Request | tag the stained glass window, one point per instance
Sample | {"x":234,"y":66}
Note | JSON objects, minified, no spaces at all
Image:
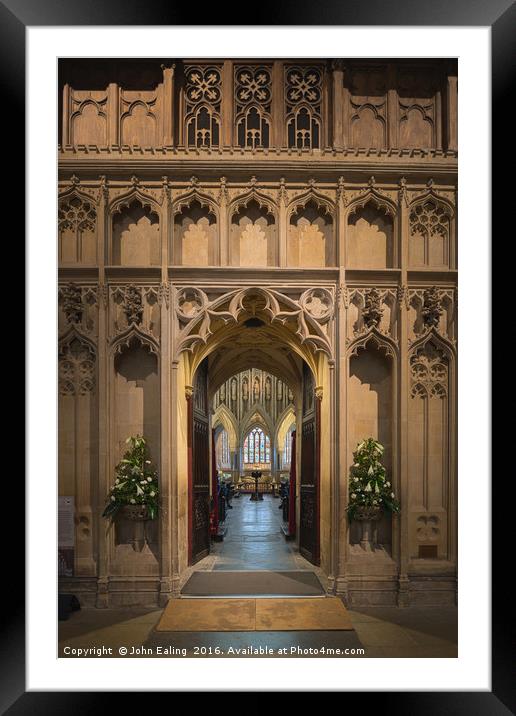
{"x":257,"y":447}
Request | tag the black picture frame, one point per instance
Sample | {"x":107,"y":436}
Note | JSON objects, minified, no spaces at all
{"x":499,"y":15}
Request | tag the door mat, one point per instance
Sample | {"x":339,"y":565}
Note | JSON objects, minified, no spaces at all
{"x":295,"y":583}
{"x":191,"y":615}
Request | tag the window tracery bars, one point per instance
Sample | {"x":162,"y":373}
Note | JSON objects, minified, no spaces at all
{"x":223,"y":457}
{"x":203,"y":95}
{"x":303,"y":102}
{"x":287,"y":447}
{"x":257,"y":447}
{"x":253,"y":97}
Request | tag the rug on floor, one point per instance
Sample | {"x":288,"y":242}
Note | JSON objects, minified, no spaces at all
{"x":193,"y":615}
{"x":295,"y":583}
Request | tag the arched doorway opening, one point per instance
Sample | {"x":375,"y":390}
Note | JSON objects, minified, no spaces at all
{"x":254,"y":342}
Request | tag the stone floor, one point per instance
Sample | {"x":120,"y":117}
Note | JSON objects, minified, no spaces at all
{"x":254,"y":541}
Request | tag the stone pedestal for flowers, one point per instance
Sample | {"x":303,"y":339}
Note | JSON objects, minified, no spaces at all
{"x":367,"y":516}
{"x":133,"y":498}
{"x":138,"y":515}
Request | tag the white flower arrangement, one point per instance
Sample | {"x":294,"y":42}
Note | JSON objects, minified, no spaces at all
{"x":136,"y":482}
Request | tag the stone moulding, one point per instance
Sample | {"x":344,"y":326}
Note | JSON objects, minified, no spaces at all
{"x":314,"y":309}
{"x":379,"y":340}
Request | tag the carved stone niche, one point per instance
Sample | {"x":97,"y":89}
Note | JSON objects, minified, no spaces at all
{"x":253,"y":236}
{"x":77,"y":307}
{"x":370,"y":238}
{"x":432,"y":308}
{"x":310,"y":237}
{"x":136,"y":236}
{"x":371,"y":308}
{"x":138,"y":306}
{"x":195,"y":236}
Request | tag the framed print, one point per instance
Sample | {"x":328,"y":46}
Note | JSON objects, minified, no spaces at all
{"x":254,"y":317}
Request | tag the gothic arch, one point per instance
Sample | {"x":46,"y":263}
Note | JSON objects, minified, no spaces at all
{"x":379,"y":200}
{"x":263,"y":201}
{"x":284,"y":422}
{"x":436,"y":198}
{"x":249,"y":421}
{"x":133,"y":334}
{"x":224,"y":418}
{"x":134,"y":194}
{"x":129,"y":115}
{"x":311,"y":231}
{"x":75,"y":192}
{"x":185,"y":200}
{"x":311,"y":195}
{"x":377,"y":339}
{"x":100,"y":124}
{"x":144,"y":247}
{"x":195,"y":231}
{"x":309,"y":339}
{"x":441,"y":342}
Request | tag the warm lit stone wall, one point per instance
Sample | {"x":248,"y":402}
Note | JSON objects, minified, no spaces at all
{"x":352,"y":244}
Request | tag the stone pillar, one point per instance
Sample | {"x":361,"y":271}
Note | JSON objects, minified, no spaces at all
{"x":65,"y":129}
{"x":341,"y":434}
{"x":438,"y":120}
{"x":392,"y":108}
{"x":278,"y":105}
{"x":168,"y":106}
{"x":113,"y":112}
{"x":227,"y":104}
{"x":451,"y":112}
{"x":338,"y":104}
{"x":223,"y":249}
{"x":340,"y":225}
{"x":173,"y":501}
{"x":282,"y":224}
{"x":165,"y":513}
{"x":102,"y":396}
{"x":402,"y":538}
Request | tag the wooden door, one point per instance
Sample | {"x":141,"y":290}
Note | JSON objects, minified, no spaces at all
{"x":309,"y":487}
{"x":199,"y":468}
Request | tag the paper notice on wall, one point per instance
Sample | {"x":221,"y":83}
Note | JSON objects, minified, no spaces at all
{"x":65,"y":536}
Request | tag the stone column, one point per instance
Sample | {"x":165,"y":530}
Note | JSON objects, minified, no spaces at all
{"x":340,"y":225}
{"x":227,"y":104}
{"x":166,"y":587}
{"x":168,"y":106}
{"x":65,"y":129}
{"x":103,"y":525}
{"x":338,"y":104}
{"x":113,"y":112}
{"x":282,"y":224}
{"x":341,"y":434}
{"x":451,"y":111}
{"x":401,"y":539}
{"x":223,"y":249}
{"x":173,"y":501}
{"x":278,"y":106}
{"x":392,"y":108}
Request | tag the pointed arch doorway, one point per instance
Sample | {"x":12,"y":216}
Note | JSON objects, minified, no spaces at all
{"x":254,"y":342}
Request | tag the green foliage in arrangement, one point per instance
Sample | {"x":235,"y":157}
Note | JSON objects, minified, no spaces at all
{"x":136,"y":482}
{"x":368,"y":484}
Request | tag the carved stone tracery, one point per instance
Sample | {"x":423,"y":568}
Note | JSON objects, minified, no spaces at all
{"x":429,"y":371}
{"x":76,"y":367}
{"x":308,"y":316}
